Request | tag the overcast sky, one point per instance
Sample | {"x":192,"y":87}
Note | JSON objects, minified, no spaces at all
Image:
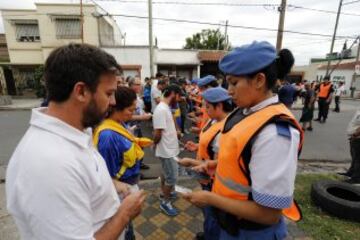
{"x":172,"y":35}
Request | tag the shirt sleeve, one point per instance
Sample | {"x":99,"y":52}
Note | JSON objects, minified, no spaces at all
{"x":159,"y":119}
{"x":111,"y":146}
{"x":273,"y":165}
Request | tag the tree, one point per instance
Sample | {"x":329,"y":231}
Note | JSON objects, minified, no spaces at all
{"x":207,"y":39}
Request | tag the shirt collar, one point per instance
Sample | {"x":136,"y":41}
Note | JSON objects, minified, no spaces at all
{"x":56,"y":126}
{"x":261,"y":105}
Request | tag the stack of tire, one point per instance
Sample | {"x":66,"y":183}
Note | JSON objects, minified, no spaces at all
{"x":337,"y":198}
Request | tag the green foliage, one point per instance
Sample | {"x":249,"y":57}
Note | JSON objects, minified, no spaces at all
{"x":207,"y":39}
{"x":318,"y":224}
{"x":39,"y":82}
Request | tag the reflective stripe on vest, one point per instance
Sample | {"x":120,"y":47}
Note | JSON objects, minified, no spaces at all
{"x":207,"y":135}
{"x":230,"y":178}
{"x":324,"y":90}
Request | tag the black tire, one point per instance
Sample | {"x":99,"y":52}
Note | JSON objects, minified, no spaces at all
{"x":337,"y":198}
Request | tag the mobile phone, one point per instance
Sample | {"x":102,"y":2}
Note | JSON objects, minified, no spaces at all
{"x":181,"y":189}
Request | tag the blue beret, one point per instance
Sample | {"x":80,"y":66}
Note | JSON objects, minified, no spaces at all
{"x":215,"y":95}
{"x":248,"y":58}
{"x":195,"y":80}
{"x":206,"y":80}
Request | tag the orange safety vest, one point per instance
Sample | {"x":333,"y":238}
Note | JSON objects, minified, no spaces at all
{"x":324,"y":90}
{"x":207,"y":135}
{"x":232,"y":178}
{"x":204,"y":118}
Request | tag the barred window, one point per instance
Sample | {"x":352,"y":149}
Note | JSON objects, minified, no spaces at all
{"x":27,"y":32}
{"x":68,"y":28}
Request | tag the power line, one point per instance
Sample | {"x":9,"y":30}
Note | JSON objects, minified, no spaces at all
{"x":230,"y":25}
{"x":351,"y":2}
{"x":265,"y":5}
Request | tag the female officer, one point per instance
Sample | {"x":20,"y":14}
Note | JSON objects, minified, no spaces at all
{"x":258,"y":149}
{"x":218,"y":105}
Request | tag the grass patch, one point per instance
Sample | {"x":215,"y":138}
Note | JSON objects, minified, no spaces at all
{"x":316,"y":223}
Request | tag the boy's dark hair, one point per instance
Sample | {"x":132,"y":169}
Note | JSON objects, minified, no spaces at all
{"x":75,"y":63}
{"x":171,"y":89}
{"x":159,"y":75}
{"x":124,"y":98}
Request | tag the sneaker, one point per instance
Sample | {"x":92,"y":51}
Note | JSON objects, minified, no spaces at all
{"x":317,"y":120}
{"x":346,"y":174}
{"x":309,"y":129}
{"x":144,"y":166}
{"x":168,"y":209}
{"x":173,"y":196}
{"x":353,"y":181}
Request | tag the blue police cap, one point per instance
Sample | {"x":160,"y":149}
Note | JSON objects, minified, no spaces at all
{"x":206,"y":80}
{"x":215,"y":95}
{"x":248,"y":58}
{"x":195,"y":80}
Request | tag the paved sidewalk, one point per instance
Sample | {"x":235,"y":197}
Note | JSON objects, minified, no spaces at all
{"x":22,"y":104}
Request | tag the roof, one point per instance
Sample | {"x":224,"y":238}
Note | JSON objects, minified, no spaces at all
{"x":347,"y":66}
{"x":211,"y":55}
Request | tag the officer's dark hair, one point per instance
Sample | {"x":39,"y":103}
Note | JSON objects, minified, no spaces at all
{"x":278,"y":69}
{"x":73,"y":63}
{"x":159,"y":75}
{"x":212,"y":84}
{"x":171,"y":89}
{"x":228,"y":106}
{"x":124,"y":98}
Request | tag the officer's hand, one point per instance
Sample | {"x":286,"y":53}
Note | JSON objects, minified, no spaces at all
{"x":199,"y":198}
{"x":202,"y":168}
{"x":147,"y":116}
{"x":191,"y":146}
{"x":132,"y":204}
{"x":186,"y":162}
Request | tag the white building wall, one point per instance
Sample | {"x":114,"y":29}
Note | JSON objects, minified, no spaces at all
{"x":344,"y":75}
{"x":176,"y":57}
{"x":132,"y":56}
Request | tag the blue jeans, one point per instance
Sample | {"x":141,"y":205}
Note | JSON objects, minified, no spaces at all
{"x":211,"y":226}
{"x":275,"y":232}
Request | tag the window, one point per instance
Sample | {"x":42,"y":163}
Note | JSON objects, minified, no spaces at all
{"x":27,"y":32}
{"x":68,"y":28}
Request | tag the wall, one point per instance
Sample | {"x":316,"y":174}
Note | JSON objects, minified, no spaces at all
{"x":132,"y":56}
{"x":177,"y":57}
{"x":340,"y":75}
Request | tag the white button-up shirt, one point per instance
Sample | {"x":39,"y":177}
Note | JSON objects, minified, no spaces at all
{"x":57,"y":184}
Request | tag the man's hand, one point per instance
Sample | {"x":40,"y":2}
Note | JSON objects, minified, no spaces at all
{"x":146,"y":116}
{"x":202,"y":168}
{"x":131,"y":206}
{"x":191,"y":146}
{"x":186,"y":162}
{"x":122,"y":188}
{"x":199,"y":198}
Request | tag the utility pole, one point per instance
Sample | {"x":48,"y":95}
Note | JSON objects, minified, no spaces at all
{"x":226,"y":36}
{"x":151,"y":47}
{"x":281,"y":9}
{"x":356,"y":63}
{"x":333,"y":38}
{"x":81,"y":21}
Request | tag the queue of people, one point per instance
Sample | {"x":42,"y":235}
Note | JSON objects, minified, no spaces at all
{"x":83,"y":153}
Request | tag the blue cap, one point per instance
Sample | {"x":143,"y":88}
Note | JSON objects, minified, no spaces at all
{"x":195,"y":80}
{"x":206,"y":80}
{"x":248,"y":58}
{"x":215,"y":95}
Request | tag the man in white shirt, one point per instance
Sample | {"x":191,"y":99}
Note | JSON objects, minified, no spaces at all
{"x":167,"y":145}
{"x":156,"y":94}
{"x":57,"y":184}
{"x":338,"y":93}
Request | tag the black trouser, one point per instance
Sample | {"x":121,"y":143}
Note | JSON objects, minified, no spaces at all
{"x":147,"y":106}
{"x":337,"y":104}
{"x":354,"y":170}
{"x":183,"y":119}
{"x":323,"y":109}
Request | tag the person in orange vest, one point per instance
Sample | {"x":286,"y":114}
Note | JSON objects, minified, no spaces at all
{"x":325,"y":92}
{"x":218,"y":105}
{"x":258,"y":149}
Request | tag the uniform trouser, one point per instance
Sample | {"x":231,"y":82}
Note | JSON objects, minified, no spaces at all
{"x":323,"y":109}
{"x":275,"y":232}
{"x":354,"y":170}
{"x":211,"y":227}
{"x":337,"y":103}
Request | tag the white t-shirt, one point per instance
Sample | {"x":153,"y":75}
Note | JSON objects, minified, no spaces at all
{"x":168,"y":146}
{"x":57,"y":184}
{"x":155,"y":93}
{"x":339,"y":91}
{"x":354,"y":123}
